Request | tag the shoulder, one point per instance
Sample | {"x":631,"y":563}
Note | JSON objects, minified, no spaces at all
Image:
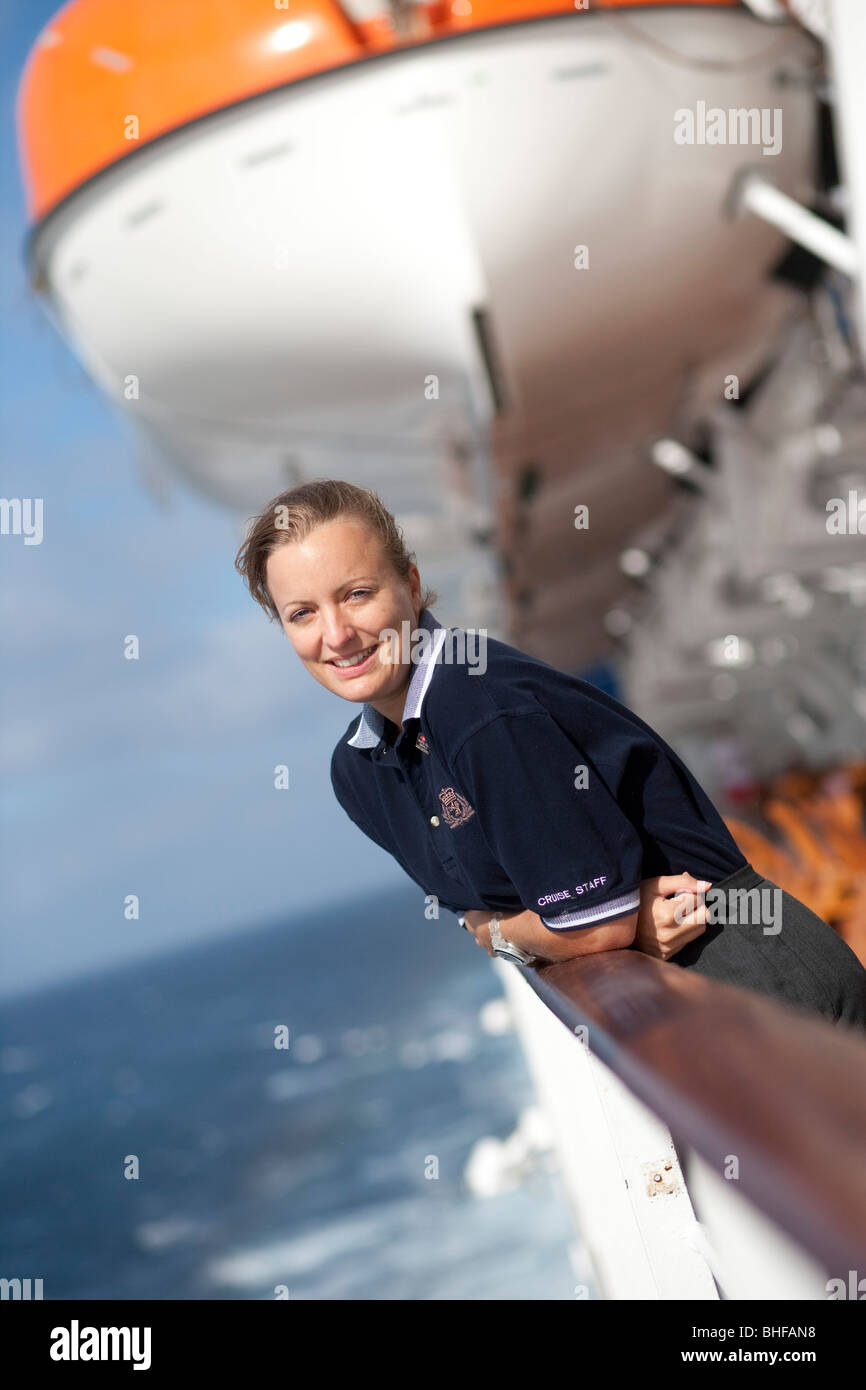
{"x":476,"y":677}
{"x":483,"y":684}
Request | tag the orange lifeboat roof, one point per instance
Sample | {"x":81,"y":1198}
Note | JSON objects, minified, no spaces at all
{"x":105,"y":78}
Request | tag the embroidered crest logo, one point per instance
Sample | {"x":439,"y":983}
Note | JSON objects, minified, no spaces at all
{"x":455,"y":808}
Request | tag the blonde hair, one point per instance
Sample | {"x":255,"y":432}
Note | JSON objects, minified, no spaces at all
{"x":299,"y":510}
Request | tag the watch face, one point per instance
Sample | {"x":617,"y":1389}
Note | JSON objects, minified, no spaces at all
{"x":508,"y":954}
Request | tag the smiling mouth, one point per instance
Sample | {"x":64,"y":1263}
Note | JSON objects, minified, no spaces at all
{"x":355,"y":659}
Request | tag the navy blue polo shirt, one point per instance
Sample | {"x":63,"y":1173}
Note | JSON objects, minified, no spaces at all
{"x":512,"y":785}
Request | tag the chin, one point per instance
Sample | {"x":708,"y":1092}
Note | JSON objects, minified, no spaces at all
{"x":360,"y":689}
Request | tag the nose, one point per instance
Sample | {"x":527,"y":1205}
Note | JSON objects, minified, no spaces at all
{"x":337,"y":633}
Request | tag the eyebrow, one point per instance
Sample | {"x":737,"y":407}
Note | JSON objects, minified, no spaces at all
{"x":359,"y":579}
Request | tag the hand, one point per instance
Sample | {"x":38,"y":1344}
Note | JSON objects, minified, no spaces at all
{"x":477,"y":921}
{"x":658,"y":932}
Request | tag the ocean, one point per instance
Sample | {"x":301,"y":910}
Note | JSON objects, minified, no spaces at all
{"x":156,"y":1145}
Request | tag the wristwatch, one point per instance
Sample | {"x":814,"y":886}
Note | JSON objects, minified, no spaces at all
{"x":501,"y":947}
{"x":504,"y":948}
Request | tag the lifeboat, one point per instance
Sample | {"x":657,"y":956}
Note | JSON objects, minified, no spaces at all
{"x":459,"y":253}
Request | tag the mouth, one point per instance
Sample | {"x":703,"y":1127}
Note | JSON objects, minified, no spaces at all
{"x":355,"y":664}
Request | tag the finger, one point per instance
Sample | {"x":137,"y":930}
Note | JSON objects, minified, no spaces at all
{"x":687,"y":901}
{"x":684,"y":940}
{"x":678,"y":935}
{"x":687,"y":910}
{"x":675,"y":883}
{"x":698,"y":919}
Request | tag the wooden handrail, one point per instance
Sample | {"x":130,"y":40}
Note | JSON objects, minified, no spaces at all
{"x":733,"y":1072}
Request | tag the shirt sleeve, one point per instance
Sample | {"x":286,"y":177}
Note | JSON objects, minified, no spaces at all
{"x":571,"y":852}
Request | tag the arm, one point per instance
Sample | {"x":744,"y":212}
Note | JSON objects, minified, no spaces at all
{"x":662,"y":926}
{"x":571,"y":854}
{"x":526,"y":930}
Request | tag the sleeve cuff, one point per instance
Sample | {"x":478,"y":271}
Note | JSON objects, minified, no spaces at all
{"x":591,"y":916}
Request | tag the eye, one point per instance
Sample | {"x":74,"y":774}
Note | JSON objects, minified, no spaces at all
{"x":351,"y":594}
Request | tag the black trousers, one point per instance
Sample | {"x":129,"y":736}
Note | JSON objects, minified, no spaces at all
{"x":760,"y":937}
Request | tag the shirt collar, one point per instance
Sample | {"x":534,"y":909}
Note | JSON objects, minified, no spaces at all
{"x":371,"y":725}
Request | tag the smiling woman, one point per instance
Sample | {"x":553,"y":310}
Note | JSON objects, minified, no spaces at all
{"x":524,"y":796}
{"x":328,"y":561}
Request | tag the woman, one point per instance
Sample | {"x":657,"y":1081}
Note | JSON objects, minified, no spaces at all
{"x":543,"y":812}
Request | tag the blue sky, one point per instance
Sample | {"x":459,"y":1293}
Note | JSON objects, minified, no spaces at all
{"x":154,"y":776}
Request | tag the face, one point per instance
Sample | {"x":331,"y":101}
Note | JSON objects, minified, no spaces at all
{"x":336,"y":593}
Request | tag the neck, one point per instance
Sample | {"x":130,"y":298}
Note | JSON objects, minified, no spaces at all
{"x":392,"y":707}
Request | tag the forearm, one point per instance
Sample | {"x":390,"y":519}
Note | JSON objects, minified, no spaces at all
{"x":526,"y":930}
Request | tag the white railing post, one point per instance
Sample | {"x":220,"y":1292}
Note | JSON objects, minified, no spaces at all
{"x":617,"y":1162}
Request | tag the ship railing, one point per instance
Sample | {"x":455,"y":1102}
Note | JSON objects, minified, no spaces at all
{"x":711,"y":1140}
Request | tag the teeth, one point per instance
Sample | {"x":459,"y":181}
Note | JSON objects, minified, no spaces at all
{"x":356,"y":659}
